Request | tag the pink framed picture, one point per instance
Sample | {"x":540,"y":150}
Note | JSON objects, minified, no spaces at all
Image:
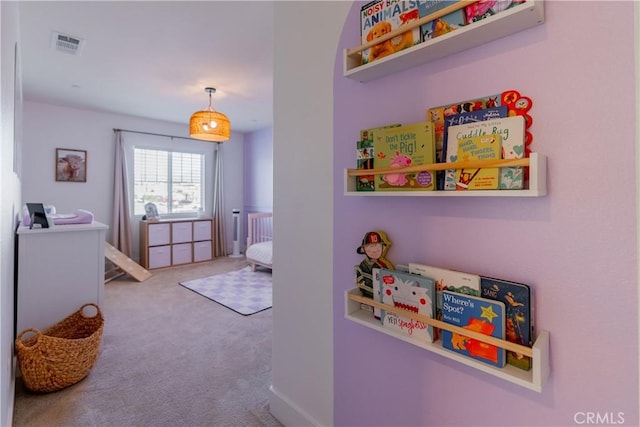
{"x":71,"y":165}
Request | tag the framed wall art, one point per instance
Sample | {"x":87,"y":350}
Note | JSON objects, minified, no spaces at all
{"x":71,"y":165}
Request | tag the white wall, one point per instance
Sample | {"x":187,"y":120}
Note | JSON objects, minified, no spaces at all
{"x":232,"y":152}
{"x":637,"y":62}
{"x":63,"y":127}
{"x":302,"y":361}
{"x":9,"y":203}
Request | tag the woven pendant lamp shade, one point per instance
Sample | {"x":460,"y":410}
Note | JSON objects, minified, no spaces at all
{"x":200,"y":119}
{"x":209,"y":125}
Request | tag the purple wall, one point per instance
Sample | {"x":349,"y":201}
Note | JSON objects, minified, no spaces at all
{"x":257,"y":175}
{"x":576,"y":246}
{"x":258,"y":171}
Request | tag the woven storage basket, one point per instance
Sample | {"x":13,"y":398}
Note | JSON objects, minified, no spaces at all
{"x":63,"y":354}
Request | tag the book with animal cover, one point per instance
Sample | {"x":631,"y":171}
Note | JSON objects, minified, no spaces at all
{"x":380,"y":17}
{"x":437,"y":115}
{"x":398,"y":147}
{"x":512,"y":131}
{"x":519,"y":318}
{"x":475,"y":314}
{"x":410,"y":292}
{"x":443,"y":25}
{"x":485,"y":147}
{"x":482,"y":9}
{"x":447,"y":280}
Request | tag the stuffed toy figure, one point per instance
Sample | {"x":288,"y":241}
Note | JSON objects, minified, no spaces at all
{"x":375,"y":245}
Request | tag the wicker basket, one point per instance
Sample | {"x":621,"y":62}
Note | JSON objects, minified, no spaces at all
{"x":63,"y":354}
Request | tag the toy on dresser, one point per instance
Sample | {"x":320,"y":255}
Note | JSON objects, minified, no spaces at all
{"x":375,"y":246}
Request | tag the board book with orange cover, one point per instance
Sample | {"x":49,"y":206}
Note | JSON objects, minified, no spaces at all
{"x":447,"y":280}
{"x":475,"y":314}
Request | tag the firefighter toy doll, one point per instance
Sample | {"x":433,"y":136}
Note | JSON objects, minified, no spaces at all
{"x":375,"y":245}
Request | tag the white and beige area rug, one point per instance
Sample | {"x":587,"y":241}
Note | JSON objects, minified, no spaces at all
{"x":243,"y":291}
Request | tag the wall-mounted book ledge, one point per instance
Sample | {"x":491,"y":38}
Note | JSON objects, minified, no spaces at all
{"x":510,"y":21}
{"x":533,"y":379}
{"x":536,"y":163}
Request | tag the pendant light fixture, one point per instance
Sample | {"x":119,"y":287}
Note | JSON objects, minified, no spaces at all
{"x":209,"y":125}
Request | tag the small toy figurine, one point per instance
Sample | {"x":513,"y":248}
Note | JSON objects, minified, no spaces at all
{"x":375,"y":245}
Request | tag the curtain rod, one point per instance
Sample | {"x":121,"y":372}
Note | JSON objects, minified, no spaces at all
{"x":158,"y":134}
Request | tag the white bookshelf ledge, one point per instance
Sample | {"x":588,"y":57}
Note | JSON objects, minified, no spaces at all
{"x":513,"y":20}
{"x":533,"y":379}
{"x":537,"y":184}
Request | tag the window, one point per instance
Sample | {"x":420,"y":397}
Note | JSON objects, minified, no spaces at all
{"x":172,"y":180}
{"x":177,"y":175}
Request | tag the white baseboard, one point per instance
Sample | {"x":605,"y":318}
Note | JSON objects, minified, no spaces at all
{"x":288,"y":413}
{"x":11,"y":398}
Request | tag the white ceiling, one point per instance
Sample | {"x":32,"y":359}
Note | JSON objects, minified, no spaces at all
{"x":153,"y":59}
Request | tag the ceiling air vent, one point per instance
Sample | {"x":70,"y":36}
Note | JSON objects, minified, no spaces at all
{"x":66,"y":43}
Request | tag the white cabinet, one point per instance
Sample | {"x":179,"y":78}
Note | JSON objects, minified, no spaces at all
{"x":59,"y":269}
{"x":175,"y":242}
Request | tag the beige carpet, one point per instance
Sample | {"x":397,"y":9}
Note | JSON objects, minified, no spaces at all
{"x":170,"y":358}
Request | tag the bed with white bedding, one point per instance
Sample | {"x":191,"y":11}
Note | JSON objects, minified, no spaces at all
{"x":260,"y":239}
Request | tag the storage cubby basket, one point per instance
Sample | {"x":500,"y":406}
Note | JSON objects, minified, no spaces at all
{"x":61,"y":355}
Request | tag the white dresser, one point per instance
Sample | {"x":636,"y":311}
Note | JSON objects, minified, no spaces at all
{"x":59,"y":269}
{"x":166,"y":243}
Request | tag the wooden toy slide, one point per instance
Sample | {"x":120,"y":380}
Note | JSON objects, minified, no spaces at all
{"x":126,"y":264}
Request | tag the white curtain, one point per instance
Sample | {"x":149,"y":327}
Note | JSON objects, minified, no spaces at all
{"x":220,"y":244}
{"x":121,"y":235}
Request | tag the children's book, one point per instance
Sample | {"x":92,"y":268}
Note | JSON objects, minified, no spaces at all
{"x":482,"y":9}
{"x":449,"y":280}
{"x":512,"y":132}
{"x":472,"y":116}
{"x":449,"y":178}
{"x":364,"y":156}
{"x":463,"y":118}
{"x":410,"y":292}
{"x":443,"y":25}
{"x":398,"y":147}
{"x":519,"y":322}
{"x":486,"y":147}
{"x":380,"y":17}
{"x":437,"y":116}
{"x":479,"y":315}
